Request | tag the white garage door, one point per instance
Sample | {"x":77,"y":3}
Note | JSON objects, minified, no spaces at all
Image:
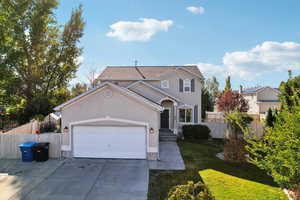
{"x":109,"y":142}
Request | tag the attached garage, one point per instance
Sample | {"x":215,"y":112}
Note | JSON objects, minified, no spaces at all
{"x":111,"y":122}
{"x":127,"y":142}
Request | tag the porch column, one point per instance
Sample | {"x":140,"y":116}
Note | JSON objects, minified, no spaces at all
{"x":175,"y":119}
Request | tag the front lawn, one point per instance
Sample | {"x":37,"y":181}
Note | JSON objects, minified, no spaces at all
{"x":226,"y":181}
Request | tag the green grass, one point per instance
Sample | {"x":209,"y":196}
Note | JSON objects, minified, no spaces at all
{"x":226,"y":181}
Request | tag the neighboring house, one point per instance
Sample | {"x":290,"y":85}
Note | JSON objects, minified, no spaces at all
{"x":123,"y":116}
{"x":260,"y":99}
{"x":53,"y":118}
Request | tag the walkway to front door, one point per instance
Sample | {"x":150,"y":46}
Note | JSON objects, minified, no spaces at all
{"x":164,"y":119}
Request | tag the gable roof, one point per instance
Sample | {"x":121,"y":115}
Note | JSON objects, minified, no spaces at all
{"x":258,"y":89}
{"x":154,"y":88}
{"x":143,"y":72}
{"x":136,"y":96}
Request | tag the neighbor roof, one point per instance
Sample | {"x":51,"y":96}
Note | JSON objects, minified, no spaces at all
{"x":257,"y":89}
{"x":142,"y":72}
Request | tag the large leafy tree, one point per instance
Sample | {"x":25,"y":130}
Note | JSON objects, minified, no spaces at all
{"x":209,"y":93}
{"x":230,"y":101}
{"x":290,"y":93}
{"x":227,"y":84}
{"x":38,"y":56}
{"x":206,"y":102}
{"x":278,"y":151}
{"x":78,"y":89}
{"x":212,"y":86}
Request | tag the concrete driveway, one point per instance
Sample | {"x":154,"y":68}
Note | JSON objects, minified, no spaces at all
{"x":84,"y":179}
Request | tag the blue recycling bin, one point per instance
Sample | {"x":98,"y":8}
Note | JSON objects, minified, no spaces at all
{"x":27,"y":151}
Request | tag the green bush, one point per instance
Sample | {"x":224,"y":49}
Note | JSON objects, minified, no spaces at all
{"x":271,"y":117}
{"x":196,"y":132}
{"x":278,"y":151}
{"x":190,"y":191}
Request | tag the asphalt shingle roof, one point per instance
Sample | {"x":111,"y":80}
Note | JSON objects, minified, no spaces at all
{"x":256,"y":89}
{"x":140,"y":72}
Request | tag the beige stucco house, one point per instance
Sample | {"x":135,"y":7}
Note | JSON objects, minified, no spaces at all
{"x":125,"y":114}
{"x":260,"y":99}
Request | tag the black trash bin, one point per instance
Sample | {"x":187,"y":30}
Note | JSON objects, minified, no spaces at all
{"x":41,"y":151}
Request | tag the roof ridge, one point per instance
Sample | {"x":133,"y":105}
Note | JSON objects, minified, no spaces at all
{"x":153,"y":66}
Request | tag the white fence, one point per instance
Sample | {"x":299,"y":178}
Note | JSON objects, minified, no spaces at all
{"x":9,"y":144}
{"x":218,"y":129}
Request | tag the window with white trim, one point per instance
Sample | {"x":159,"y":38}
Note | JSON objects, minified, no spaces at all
{"x":187,"y":85}
{"x":164,"y":84}
{"x":185,"y":115}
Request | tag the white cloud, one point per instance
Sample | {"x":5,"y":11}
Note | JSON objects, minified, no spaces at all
{"x":264,"y":58}
{"x":196,"y":10}
{"x":269,"y":56}
{"x":138,"y":31}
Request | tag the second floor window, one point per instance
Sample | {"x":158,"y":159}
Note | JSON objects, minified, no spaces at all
{"x":187,"y":85}
{"x":164,"y":84}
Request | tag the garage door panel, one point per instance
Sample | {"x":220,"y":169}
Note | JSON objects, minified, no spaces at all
{"x":109,"y":142}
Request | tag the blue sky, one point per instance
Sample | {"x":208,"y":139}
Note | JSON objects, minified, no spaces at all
{"x":255,"y":41}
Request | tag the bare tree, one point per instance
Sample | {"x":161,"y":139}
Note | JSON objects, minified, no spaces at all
{"x":92,"y":77}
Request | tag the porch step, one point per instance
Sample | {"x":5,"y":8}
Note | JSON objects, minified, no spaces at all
{"x":170,"y":138}
{"x":165,"y":130}
{"x":167,"y":137}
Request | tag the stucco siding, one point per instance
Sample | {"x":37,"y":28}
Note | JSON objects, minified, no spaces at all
{"x":252,"y":102}
{"x":116,"y":105}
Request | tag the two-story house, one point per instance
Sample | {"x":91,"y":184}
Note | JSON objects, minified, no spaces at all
{"x":260,"y":99}
{"x":131,"y":106}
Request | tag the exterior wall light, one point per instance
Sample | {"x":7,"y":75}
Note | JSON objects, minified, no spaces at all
{"x":66,"y":129}
{"x":151,"y":130}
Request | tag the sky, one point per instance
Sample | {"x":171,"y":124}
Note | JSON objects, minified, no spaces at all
{"x":254,"y":41}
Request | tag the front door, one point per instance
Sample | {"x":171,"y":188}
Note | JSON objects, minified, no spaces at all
{"x":164,"y":119}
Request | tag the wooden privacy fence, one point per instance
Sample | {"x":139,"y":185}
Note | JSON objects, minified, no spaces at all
{"x":29,"y":128}
{"x":9,"y":144}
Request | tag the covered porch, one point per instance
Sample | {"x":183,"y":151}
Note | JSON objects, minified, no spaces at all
{"x":168,"y":119}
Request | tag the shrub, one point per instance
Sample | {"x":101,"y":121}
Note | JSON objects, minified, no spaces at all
{"x":190,"y":191}
{"x":271,"y":117}
{"x":278,"y":151}
{"x":196,"y":132}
